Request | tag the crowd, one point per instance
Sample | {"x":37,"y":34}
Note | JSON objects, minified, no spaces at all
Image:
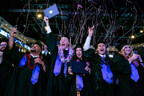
{"x":33,"y":74}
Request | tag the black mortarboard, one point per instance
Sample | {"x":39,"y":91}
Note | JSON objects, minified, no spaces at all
{"x":96,"y":45}
{"x":66,"y":35}
{"x":39,"y":43}
{"x":78,"y":46}
{"x":4,"y":40}
{"x":121,"y":46}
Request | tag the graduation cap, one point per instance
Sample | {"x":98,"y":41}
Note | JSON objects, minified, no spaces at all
{"x":121,"y":46}
{"x":66,"y":35}
{"x":51,"y":11}
{"x":79,"y":45}
{"x":4,"y":40}
{"x":39,"y":43}
{"x":96,"y":45}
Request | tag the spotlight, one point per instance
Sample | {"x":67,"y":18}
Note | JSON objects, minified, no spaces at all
{"x":39,"y":15}
{"x":141,"y":31}
{"x":132,"y":36}
{"x":45,"y":27}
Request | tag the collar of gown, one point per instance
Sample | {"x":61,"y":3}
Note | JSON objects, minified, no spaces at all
{"x":34,"y":56}
{"x":103,"y":56}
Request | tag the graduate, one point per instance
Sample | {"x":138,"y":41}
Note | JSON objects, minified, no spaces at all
{"x":5,"y":67}
{"x":59,"y":80}
{"x":100,"y":64}
{"x":122,"y":71}
{"x":137,"y":69}
{"x":82,"y":83}
{"x":28,"y":71}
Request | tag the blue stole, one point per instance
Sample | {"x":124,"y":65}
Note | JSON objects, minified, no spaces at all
{"x":58,"y":65}
{"x":106,"y":72}
{"x":79,"y":82}
{"x":36,"y":70}
{"x":134,"y":74}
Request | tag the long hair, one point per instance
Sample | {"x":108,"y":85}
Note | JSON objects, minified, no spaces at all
{"x":78,"y":46}
{"x":122,"y":52}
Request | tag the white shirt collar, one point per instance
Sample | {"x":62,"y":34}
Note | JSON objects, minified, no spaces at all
{"x":103,"y":56}
{"x":66,"y":48}
{"x":34,"y":56}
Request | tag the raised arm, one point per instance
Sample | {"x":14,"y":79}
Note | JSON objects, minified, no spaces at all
{"x":50,"y":40}
{"x":88,"y":39}
{"x":11,"y":39}
{"x":47,"y":24}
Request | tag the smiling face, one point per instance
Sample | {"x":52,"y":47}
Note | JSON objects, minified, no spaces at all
{"x":64,"y":42}
{"x":79,"y":52}
{"x":36,"y":49}
{"x":127,"y":49}
{"x":101,"y":48}
{"x":3,"y":46}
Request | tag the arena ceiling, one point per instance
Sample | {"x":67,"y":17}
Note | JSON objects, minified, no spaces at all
{"x":115,"y":20}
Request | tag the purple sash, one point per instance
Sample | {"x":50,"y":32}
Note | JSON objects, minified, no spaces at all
{"x":134,"y":73}
{"x":36,"y":70}
{"x":79,"y":82}
{"x":106,"y":72}
{"x":58,"y":65}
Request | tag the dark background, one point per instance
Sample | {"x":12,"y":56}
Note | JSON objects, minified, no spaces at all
{"x":115,"y":20}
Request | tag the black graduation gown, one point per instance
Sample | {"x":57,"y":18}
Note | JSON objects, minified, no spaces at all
{"x":86,"y":89}
{"x":122,"y":70}
{"x":138,"y":86}
{"x":99,"y":86}
{"x":5,"y":74}
{"x":86,"y":81}
{"x":20,"y":83}
{"x":58,"y":85}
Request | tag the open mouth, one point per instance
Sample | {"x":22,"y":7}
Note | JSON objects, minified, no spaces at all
{"x":33,"y":50}
{"x":79,"y":54}
{"x":102,"y":50}
{"x":63,"y":44}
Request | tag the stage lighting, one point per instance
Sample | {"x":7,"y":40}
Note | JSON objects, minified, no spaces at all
{"x":39,"y":15}
{"x":45,"y":27}
{"x":141,"y":31}
{"x":132,"y":36}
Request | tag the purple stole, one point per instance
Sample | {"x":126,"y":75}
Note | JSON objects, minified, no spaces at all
{"x":79,"y":82}
{"x":106,"y":72}
{"x":58,"y":65}
{"x":134,"y":73}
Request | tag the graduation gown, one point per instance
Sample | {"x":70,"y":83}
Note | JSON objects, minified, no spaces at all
{"x":20,"y":83}
{"x":122,"y":70}
{"x":99,"y":86}
{"x":85,"y":91}
{"x":138,"y":86}
{"x":5,"y":74}
{"x":58,"y":85}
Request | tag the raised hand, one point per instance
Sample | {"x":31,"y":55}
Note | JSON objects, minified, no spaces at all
{"x":46,"y":20}
{"x":90,"y":31}
{"x":40,"y":61}
{"x":135,"y":56}
{"x":70,"y":70}
{"x":14,"y":32}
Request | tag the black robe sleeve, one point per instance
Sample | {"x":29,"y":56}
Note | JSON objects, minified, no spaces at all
{"x":50,"y":41}
{"x":121,"y":65}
